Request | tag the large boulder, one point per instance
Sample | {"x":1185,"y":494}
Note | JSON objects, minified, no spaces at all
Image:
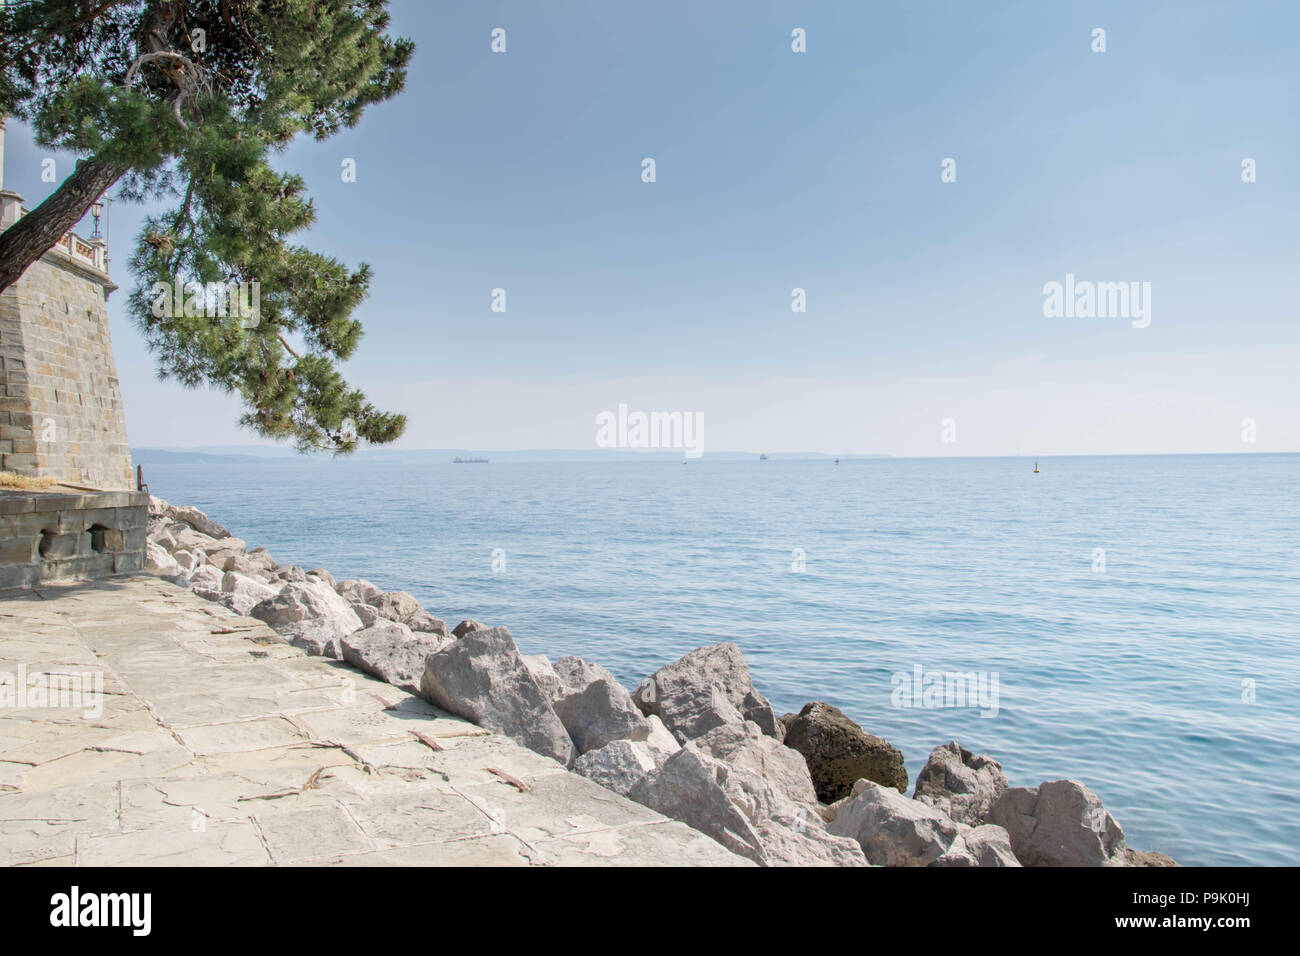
{"x":892,"y":829}
{"x":322,"y":574}
{"x":158,"y":561}
{"x":741,"y":811}
{"x":367,"y":613}
{"x":244,"y":593}
{"x":619,"y":765}
{"x":405,"y":609}
{"x":683,"y":693}
{"x":482,"y":678}
{"x":960,"y":783}
{"x":219,"y":550}
{"x":539,"y":665}
{"x":1059,"y":823}
{"x":392,"y":652}
{"x":188,"y":560}
{"x":359,"y":591}
{"x":840,"y":753}
{"x":310,"y":615}
{"x":986,"y":845}
{"x":594,"y":707}
{"x":206,"y":576}
{"x":744,"y":746}
{"x":196,"y":519}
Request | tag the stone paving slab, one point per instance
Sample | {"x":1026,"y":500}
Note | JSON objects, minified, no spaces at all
{"x":215,"y":744}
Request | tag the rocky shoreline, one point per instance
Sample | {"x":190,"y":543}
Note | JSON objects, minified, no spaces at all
{"x":695,"y":741}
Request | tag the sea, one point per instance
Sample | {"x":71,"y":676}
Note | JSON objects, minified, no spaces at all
{"x":1130,"y":622}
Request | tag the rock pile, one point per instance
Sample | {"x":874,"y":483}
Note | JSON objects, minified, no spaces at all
{"x":695,"y":741}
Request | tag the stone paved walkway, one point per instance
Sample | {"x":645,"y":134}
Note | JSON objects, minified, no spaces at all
{"x":217,"y":745}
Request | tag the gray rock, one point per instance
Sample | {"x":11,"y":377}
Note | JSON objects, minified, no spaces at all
{"x":619,"y":765}
{"x":891,"y":829}
{"x":244,"y":593}
{"x":405,"y":609}
{"x":392,"y":652}
{"x":359,"y":591}
{"x":219,"y":550}
{"x":185,"y":514}
{"x":661,"y":742}
{"x":465,"y":626}
{"x":840,"y":753}
{"x":742,"y":812}
{"x":291,"y":573}
{"x":311,"y":615}
{"x":206,"y":576}
{"x":682,"y":692}
{"x":368,"y":614}
{"x":594,"y":707}
{"x":744,"y":746}
{"x":482,"y":678}
{"x":961,"y":784}
{"x":986,"y":845}
{"x":1059,"y":823}
{"x":158,"y":561}
{"x":539,"y":665}
{"x":262,"y":559}
{"x":189,"y":560}
{"x":318,"y":638}
{"x":322,"y":574}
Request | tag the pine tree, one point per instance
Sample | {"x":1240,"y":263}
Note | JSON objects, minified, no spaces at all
{"x":188,"y":100}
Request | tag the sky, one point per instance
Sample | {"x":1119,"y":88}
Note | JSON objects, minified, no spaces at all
{"x":924,"y":332}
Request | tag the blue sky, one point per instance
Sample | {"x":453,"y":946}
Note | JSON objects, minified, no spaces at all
{"x":819,"y":170}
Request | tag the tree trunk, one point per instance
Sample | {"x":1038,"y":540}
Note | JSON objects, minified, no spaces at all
{"x":37,"y":232}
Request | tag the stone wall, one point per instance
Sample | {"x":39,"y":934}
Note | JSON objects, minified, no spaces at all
{"x":55,"y":536}
{"x":61,"y":411}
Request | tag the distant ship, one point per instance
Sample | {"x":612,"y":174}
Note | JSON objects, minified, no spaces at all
{"x":469,"y":461}
{"x":762,"y":457}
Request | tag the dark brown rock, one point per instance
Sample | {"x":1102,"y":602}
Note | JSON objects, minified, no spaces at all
{"x":839,"y":752}
{"x":465,"y":627}
{"x":1134,"y":857}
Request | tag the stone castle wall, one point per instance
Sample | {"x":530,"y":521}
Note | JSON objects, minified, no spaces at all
{"x":61,"y":412}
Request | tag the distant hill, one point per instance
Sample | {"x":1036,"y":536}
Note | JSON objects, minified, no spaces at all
{"x":254,"y":454}
{"x":160,"y":456}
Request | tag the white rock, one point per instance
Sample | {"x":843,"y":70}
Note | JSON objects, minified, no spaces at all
{"x":244,"y":592}
{"x":539,"y":665}
{"x":684,"y":694}
{"x":1060,"y":823}
{"x":392,"y":652}
{"x":744,"y":746}
{"x":743,"y":812}
{"x":892,"y":829}
{"x":986,"y":845}
{"x":594,"y":707}
{"x":482,"y":678}
{"x":206,"y":576}
{"x":961,"y":784}
{"x":158,"y":561}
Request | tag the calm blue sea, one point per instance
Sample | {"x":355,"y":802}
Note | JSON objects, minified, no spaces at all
{"x":1134,"y":679}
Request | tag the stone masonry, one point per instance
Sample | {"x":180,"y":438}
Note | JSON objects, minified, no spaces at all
{"x":61,"y":411}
